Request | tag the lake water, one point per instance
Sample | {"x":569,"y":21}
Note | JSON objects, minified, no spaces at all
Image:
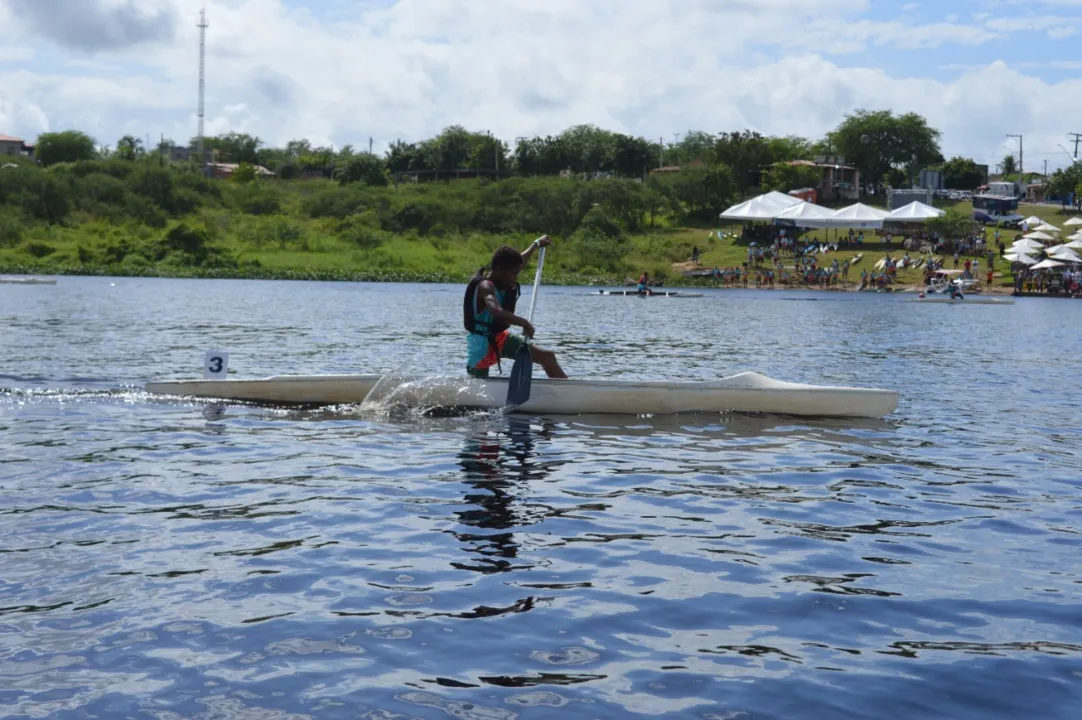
{"x":162,"y":558}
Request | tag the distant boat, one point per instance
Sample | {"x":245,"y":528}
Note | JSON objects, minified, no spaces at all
{"x":26,"y":281}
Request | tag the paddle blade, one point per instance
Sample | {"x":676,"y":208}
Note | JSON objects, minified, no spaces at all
{"x":518,"y":385}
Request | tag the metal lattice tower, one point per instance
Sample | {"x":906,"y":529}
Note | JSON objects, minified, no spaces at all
{"x":202,"y":74}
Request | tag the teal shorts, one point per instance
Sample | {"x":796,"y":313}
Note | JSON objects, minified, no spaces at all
{"x":508,"y":345}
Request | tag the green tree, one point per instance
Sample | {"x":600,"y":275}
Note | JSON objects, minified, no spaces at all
{"x":129,"y":148}
{"x":66,"y":146}
{"x":233,"y":147}
{"x":875,"y":142}
{"x":791,"y":147}
{"x":951,"y":224}
{"x":1067,"y":181}
{"x":961,"y":173}
{"x":695,"y":145}
{"x":632,"y":156}
{"x":747,"y":153}
{"x":364,"y":168}
{"x":1009,"y":166}
{"x":784,"y":177}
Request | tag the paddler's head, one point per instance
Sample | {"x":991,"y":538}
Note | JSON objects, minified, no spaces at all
{"x":506,"y":265}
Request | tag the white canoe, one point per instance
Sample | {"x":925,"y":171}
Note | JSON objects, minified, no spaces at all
{"x":26,"y":281}
{"x":746,"y":392}
{"x":967,"y":300}
{"x":652,"y":293}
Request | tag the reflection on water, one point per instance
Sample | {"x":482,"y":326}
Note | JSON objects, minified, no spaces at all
{"x":163,"y":558}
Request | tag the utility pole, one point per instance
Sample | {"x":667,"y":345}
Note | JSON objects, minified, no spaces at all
{"x":202,"y":74}
{"x":661,"y":151}
{"x":1077,"y":137}
{"x":1020,"y":156}
{"x":369,"y":145}
{"x":676,"y":141}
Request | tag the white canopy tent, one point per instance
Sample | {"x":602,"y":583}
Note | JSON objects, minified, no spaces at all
{"x":803,"y":212}
{"x":1064,"y":253}
{"x":1033,"y":221}
{"x":1045,"y":227}
{"x":1076,"y":236}
{"x":1074,"y":244}
{"x":1073,"y":221}
{"x":857,"y":217}
{"x":1037,"y":236}
{"x":1046,"y":265}
{"x":914,"y":212}
{"x":762,"y":208}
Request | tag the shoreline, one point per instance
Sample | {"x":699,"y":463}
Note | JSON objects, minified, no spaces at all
{"x":563,"y":279}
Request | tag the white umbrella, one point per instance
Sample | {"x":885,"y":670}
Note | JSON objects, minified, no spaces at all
{"x":1074,"y":244}
{"x":1074,"y":221}
{"x":1033,"y":220}
{"x":1076,"y":236}
{"x":1019,"y":258}
{"x":1064,"y":253}
{"x":1038,"y":236}
{"x":1026,"y":245}
{"x":1046,"y":265}
{"x":1045,"y":227}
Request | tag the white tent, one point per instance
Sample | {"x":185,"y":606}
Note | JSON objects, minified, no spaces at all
{"x":1019,"y":257}
{"x":1033,"y":221}
{"x":1076,"y":236}
{"x":1038,"y":236}
{"x":763,"y":208}
{"x":1074,"y":244}
{"x":857,"y":217}
{"x":1064,"y":253}
{"x":1074,"y":221}
{"x":1046,"y":265}
{"x":802,"y":212}
{"x":1045,"y":227}
{"x":914,"y":212}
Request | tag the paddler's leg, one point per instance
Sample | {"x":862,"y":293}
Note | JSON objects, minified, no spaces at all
{"x":547,"y":360}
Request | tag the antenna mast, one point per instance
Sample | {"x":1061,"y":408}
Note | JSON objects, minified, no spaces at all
{"x":202,"y":74}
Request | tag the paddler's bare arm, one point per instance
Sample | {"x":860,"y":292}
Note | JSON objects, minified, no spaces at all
{"x":543,"y":241}
{"x":488,"y":296}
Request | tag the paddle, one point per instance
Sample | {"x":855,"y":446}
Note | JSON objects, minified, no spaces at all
{"x":518,"y":384}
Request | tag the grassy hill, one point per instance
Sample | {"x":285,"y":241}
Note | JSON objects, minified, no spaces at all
{"x":123,"y":218}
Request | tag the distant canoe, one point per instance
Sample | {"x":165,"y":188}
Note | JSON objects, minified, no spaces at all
{"x":26,"y":281}
{"x":635,"y":293}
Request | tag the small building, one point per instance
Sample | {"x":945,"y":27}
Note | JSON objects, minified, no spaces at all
{"x":225,"y":171}
{"x":14,"y":146}
{"x":838,"y":182}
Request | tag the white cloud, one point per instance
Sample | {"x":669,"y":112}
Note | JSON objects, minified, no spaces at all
{"x":518,"y":67}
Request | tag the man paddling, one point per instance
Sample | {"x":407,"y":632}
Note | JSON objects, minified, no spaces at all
{"x":489,"y":311}
{"x":644,"y":284}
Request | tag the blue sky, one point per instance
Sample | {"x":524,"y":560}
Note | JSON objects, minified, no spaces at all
{"x":338,"y":71}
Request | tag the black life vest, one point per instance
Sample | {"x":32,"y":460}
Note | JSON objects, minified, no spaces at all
{"x":469,"y":309}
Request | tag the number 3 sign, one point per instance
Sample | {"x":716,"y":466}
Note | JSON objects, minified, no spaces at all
{"x":216,"y":364}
